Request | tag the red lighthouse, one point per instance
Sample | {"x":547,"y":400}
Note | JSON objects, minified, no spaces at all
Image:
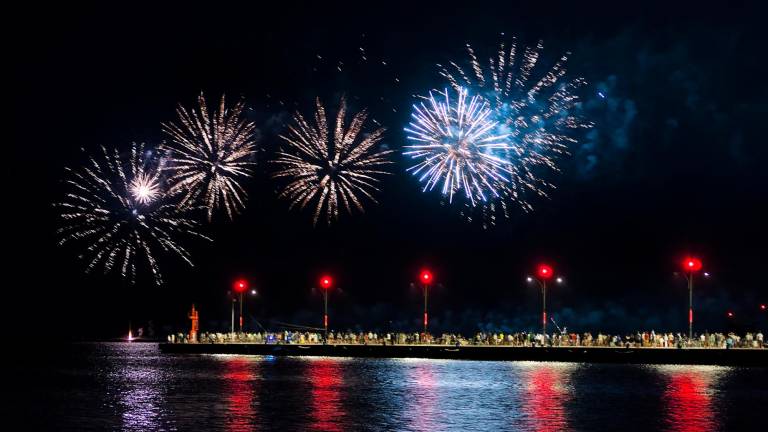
{"x":195,"y":317}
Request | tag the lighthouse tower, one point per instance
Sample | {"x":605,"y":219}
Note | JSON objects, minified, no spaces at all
{"x":195,"y":317}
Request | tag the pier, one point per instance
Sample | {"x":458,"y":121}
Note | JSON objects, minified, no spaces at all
{"x":693,"y":356}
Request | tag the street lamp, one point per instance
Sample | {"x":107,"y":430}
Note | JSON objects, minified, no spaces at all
{"x":543,"y":274}
{"x":240,"y":286}
{"x":691,"y":265}
{"x":426,"y":279}
{"x":325,"y":283}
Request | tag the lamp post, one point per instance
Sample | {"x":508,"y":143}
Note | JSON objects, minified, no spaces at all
{"x":325,"y":283}
{"x":240,"y":286}
{"x":691,"y":265}
{"x":543,"y":274}
{"x":426,"y":279}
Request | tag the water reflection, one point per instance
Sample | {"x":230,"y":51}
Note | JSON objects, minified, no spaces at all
{"x":325,"y":375}
{"x":240,"y":376}
{"x":422,"y":383}
{"x":141,"y":403}
{"x":546,"y":392}
{"x":449,"y":395}
{"x":139,"y":387}
{"x":112,"y":387}
{"x":688,"y":397}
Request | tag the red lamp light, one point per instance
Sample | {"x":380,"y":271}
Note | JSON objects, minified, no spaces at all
{"x":692,"y":264}
{"x":240,"y":285}
{"x":730,"y":314}
{"x":762,"y":307}
{"x":326,"y":282}
{"x":425,"y":277}
{"x":545,"y":272}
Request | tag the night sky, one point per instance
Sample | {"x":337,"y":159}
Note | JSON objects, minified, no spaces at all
{"x":674,"y":165}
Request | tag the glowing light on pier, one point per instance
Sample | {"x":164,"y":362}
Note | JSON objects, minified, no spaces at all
{"x":426,"y":276}
{"x":692,"y":264}
{"x":240,"y":285}
{"x":545,"y":272}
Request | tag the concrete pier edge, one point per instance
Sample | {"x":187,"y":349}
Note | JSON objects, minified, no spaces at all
{"x":688,"y":356}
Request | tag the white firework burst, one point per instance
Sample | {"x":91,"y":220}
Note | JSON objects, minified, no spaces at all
{"x":539,"y":115}
{"x":332,"y":168}
{"x":456,"y":145}
{"x":117,"y":210}
{"x":209,"y":154}
{"x":145,"y":187}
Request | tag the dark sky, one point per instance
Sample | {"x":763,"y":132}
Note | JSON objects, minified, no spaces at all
{"x":674,"y":165}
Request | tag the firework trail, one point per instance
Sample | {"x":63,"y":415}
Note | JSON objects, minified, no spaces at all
{"x":117,"y":210}
{"x":360,"y":65}
{"x":456,"y":145}
{"x":209,"y":154}
{"x":330,"y":167}
{"x":539,"y":115}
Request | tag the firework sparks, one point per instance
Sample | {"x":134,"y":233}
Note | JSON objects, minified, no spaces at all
{"x":538,"y":115}
{"x":145,"y":187}
{"x":209,"y":154}
{"x":117,"y":210}
{"x":330,"y":168}
{"x":456,"y":145}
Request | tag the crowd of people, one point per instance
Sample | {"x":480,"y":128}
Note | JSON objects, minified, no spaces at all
{"x":647,"y":339}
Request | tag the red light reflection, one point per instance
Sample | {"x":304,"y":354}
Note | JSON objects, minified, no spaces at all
{"x":426,"y":414}
{"x":327,"y":408}
{"x":545,"y":397}
{"x":241,"y":397}
{"x":688,"y":402}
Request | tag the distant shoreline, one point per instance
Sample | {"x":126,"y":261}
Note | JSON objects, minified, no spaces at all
{"x":692,"y":356}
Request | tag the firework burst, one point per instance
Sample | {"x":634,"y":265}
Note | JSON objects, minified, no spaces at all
{"x":209,"y":153}
{"x":145,"y":187}
{"x":117,"y":210}
{"x":456,"y":145}
{"x":331,"y":168}
{"x":539,"y":115}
